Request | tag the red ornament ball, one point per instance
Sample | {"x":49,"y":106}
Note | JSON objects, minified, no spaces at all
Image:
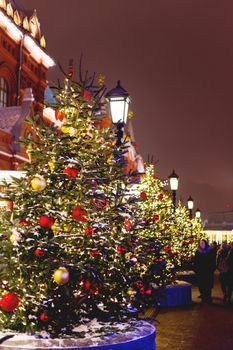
{"x":86,"y":95}
{"x":89,"y":230}
{"x":46,"y":221}
{"x":155,"y":217}
{"x":87,"y":285}
{"x":120,"y":249}
{"x":38,"y":252}
{"x":143,"y":195}
{"x":9,"y":206}
{"x":160,"y":196}
{"x":72,"y":172}
{"x":167,"y":248}
{"x":94,"y":252}
{"x":91,"y":288}
{"x":79,"y":214}
{"x":23,"y":222}
{"x":44,"y":317}
{"x":9,"y":302}
{"x":148,"y":291}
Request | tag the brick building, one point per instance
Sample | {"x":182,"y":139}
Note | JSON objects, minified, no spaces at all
{"x":24,"y":64}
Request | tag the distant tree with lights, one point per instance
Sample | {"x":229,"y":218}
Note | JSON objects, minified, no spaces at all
{"x":157,"y":211}
{"x":72,"y":248}
{"x":172,"y":230}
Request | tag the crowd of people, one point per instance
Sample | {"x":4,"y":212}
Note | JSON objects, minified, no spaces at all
{"x":207,"y":260}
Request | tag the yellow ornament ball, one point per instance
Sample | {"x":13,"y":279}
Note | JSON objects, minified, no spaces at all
{"x":61,"y":276}
{"x":51,"y":164}
{"x":56,"y":229}
{"x":38,"y":183}
{"x":131,"y":291}
{"x":128,"y":256}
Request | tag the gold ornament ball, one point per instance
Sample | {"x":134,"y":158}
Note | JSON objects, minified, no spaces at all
{"x":128,"y":256}
{"x":51,"y":164}
{"x":38,"y":183}
{"x":56,"y":229}
{"x":61,"y":276}
{"x":131,"y":291}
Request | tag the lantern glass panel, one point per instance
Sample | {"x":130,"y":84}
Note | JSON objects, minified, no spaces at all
{"x":190,"y":204}
{"x":117,"y":106}
{"x":174,"y":183}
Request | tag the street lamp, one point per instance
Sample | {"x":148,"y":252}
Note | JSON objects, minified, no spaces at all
{"x":190,"y":202}
{"x":198,"y":213}
{"x":174,"y":181}
{"x":119,"y":100}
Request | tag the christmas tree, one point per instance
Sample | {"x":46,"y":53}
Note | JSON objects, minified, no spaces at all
{"x":71,"y":248}
{"x":157,"y":211}
{"x":170,"y":228}
{"x":187,"y":233}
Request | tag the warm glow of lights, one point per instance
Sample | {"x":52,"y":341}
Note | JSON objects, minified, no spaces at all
{"x":17,"y":18}
{"x":9,"y":10}
{"x":174,"y":184}
{"x":190,"y":203}
{"x":37,"y":53}
{"x":174,"y":181}
{"x":119,"y":109}
{"x":25,"y":23}
{"x":42,"y":42}
{"x":219,"y":236}
{"x":3,"y":4}
{"x":10,"y":28}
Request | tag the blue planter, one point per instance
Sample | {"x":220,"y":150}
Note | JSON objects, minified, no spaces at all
{"x":177,"y":294}
{"x":142,"y":337}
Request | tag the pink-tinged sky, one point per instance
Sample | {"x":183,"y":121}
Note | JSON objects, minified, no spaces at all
{"x":175,"y":58}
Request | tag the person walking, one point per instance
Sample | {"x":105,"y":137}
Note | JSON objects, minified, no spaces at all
{"x":222,"y":266}
{"x":204,"y":266}
{"x":230,"y":272}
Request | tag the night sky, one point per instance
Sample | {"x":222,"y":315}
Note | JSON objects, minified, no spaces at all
{"x":175,"y":58}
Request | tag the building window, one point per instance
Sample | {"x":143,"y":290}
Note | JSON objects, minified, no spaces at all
{"x":3,"y":92}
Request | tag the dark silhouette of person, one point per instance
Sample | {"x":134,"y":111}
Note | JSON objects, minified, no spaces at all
{"x":230,"y":271}
{"x":222,"y":266}
{"x":204,"y":266}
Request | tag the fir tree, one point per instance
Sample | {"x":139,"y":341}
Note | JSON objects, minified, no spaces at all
{"x":71,"y":250}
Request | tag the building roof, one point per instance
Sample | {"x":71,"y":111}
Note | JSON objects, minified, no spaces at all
{"x":23,"y":26}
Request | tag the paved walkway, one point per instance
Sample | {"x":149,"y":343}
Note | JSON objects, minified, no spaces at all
{"x":197,"y":327}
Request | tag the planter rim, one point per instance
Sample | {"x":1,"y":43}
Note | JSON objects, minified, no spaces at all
{"x":142,"y":332}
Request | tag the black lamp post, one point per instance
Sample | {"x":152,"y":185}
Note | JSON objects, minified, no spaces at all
{"x":190,"y":202}
{"x":119,"y":101}
{"x":174,"y":182}
{"x":198,"y":213}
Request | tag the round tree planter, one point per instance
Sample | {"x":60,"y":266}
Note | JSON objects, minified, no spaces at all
{"x":142,"y":337}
